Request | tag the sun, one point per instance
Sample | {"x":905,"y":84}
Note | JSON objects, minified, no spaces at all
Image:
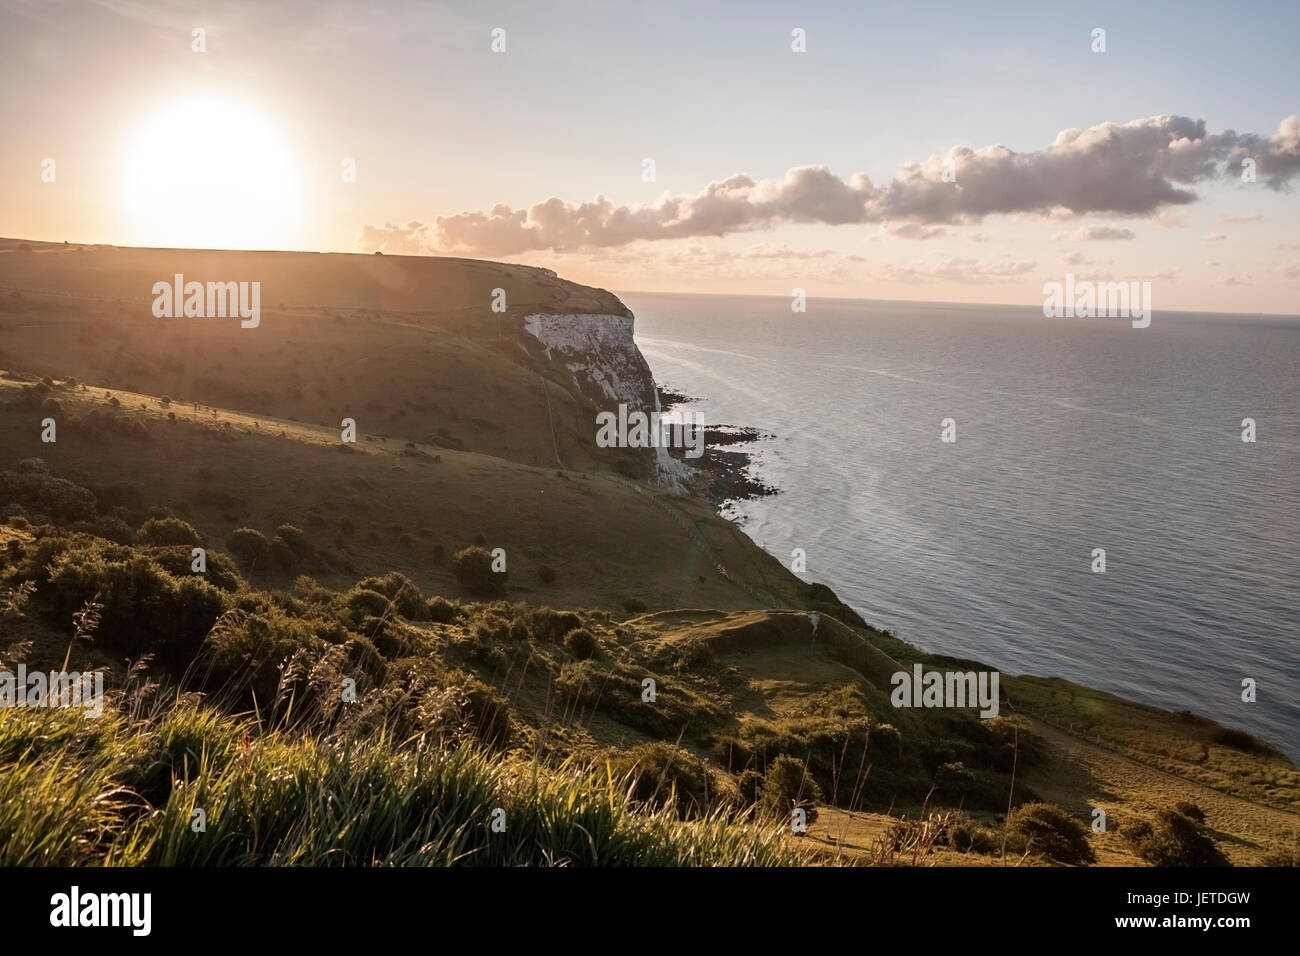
{"x":214,"y":173}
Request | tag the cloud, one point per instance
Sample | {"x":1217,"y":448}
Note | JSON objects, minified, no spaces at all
{"x":1214,"y":237}
{"x":959,"y":269}
{"x":1252,"y":217}
{"x":1233,"y":279}
{"x":913,"y":230}
{"x":1290,"y":269}
{"x":1137,"y":168}
{"x":1074,"y":259}
{"x":1095,"y":234}
{"x":758,"y":261}
{"x":411,"y":239}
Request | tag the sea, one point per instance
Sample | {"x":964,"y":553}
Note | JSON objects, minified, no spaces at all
{"x":1072,"y":437}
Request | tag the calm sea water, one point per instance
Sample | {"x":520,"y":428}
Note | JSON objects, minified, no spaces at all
{"x":1072,"y":434}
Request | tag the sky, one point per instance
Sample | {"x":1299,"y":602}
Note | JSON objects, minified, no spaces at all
{"x":935,"y":152}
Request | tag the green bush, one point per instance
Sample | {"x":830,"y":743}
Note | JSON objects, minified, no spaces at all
{"x":295,"y":540}
{"x":1173,"y":839}
{"x":547,"y":624}
{"x":473,"y":569}
{"x":402,"y":591}
{"x":442,"y":611}
{"x":886,"y":738}
{"x":29,"y":483}
{"x":659,"y":774}
{"x":749,"y":787}
{"x":178,"y":562}
{"x":1051,"y":832}
{"x":249,"y":546}
{"x":112,"y":528}
{"x":788,"y":784}
{"x":581,"y":644}
{"x":168,"y":531}
{"x":365,"y":602}
{"x":282,"y":554}
{"x":145,"y":609}
{"x":953,"y":779}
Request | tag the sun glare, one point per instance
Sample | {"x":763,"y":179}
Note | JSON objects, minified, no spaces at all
{"x":210,"y":173}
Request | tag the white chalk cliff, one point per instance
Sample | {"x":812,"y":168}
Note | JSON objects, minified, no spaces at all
{"x":601,"y":355}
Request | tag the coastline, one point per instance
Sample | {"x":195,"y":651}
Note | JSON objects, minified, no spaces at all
{"x":729,"y":477}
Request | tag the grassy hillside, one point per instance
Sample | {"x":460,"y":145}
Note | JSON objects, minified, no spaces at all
{"x":333,"y":566}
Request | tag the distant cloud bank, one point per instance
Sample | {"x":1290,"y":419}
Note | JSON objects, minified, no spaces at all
{"x":1130,"y":169}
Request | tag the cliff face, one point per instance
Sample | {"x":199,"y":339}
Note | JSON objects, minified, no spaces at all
{"x":600,"y":354}
{"x":606,"y":367}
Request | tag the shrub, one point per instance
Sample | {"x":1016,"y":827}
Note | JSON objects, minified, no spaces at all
{"x":953,"y":779}
{"x":473,"y":569}
{"x":365,"y":602}
{"x":442,"y":611}
{"x":1173,"y":839}
{"x":401,"y":590}
{"x":546,"y":574}
{"x":113,"y":528}
{"x":145,"y":609}
{"x":1053,"y":833}
{"x":282,"y":554}
{"x":295,"y":540}
{"x":178,"y":562}
{"x":168,"y":531}
{"x":788,"y":784}
{"x":581,"y":644}
{"x":634,"y":606}
{"x":749,"y":787}
{"x":887,"y":738}
{"x":248,"y":545}
{"x":1190,"y":810}
{"x":659,"y":774}
{"x":966,"y":836}
{"x":1236,"y":739}
{"x":30,"y":484}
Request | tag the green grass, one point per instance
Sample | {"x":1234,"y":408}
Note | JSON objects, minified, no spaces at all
{"x":73,"y":792}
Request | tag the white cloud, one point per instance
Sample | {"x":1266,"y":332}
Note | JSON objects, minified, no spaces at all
{"x":1139,"y":168}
